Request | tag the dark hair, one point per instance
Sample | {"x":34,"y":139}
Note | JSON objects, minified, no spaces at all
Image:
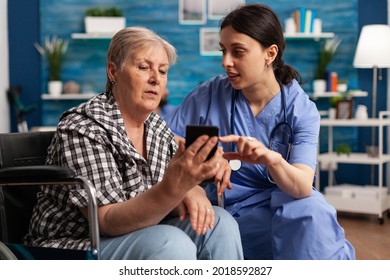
{"x":262,"y":24}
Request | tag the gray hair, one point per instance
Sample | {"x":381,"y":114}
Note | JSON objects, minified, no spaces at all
{"x":124,"y":44}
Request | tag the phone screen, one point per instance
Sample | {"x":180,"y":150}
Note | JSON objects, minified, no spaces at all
{"x":194,"y":131}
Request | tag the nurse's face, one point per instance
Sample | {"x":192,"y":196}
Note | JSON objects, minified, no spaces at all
{"x":142,"y":81}
{"x":243,"y":59}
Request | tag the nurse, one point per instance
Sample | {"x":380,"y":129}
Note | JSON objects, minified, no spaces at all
{"x":270,"y":131}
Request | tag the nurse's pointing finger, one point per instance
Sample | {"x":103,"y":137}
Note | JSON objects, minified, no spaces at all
{"x":229,"y":138}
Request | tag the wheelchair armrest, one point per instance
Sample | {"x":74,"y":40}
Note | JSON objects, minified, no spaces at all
{"x":35,"y":174}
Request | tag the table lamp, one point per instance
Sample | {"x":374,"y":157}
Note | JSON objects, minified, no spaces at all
{"x":373,"y":51}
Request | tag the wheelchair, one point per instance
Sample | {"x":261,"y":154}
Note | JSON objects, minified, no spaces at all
{"x":22,"y":172}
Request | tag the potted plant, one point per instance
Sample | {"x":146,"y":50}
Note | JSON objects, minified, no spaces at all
{"x":327,"y":52}
{"x":343,"y":149}
{"x":104,"y":20}
{"x":342,"y":86}
{"x":54,"y":50}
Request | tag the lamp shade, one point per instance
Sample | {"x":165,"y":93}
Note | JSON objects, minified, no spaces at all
{"x":373,"y":48}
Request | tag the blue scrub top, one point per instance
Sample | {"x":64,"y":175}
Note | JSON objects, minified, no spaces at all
{"x":211,"y":104}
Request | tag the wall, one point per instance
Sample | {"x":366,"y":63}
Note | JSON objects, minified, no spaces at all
{"x":86,"y":58}
{"x":24,"y":61}
{"x":85,"y":61}
{"x":4,"y":79}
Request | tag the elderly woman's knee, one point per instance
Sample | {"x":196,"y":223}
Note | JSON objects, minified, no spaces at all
{"x":171,"y":243}
{"x":224,"y":218}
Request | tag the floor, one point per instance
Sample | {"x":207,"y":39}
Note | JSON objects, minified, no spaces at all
{"x":370,"y":239}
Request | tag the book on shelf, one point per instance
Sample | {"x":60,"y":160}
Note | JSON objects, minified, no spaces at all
{"x":332,"y":82}
{"x":304,"y":19}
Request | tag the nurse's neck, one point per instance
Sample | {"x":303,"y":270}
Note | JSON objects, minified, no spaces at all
{"x":258,"y":97}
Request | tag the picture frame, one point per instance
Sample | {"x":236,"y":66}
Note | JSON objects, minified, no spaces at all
{"x":209,"y":41}
{"x":217,"y":9}
{"x":344,"y":109}
{"x":192,"y":12}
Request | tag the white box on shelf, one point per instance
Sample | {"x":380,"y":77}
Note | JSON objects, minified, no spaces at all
{"x":344,"y":190}
{"x":370,"y":192}
{"x":104,"y":24}
{"x":356,"y":192}
{"x":358,"y":199}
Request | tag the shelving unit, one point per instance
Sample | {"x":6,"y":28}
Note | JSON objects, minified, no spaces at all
{"x":310,"y":36}
{"x":354,"y":198}
{"x":68,"y":96}
{"x":352,"y":93}
{"x":53,"y":106}
{"x":92,"y":35}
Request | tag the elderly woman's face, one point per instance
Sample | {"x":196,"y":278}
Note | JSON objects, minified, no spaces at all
{"x":144,"y":78}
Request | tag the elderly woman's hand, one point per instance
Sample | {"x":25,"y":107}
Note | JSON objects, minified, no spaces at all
{"x":222,"y":179}
{"x":189,"y":167}
{"x":200,"y":211}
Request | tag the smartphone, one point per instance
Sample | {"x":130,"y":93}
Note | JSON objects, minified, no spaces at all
{"x":194,"y":131}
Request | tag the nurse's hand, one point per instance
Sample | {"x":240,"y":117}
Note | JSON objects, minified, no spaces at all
{"x":294,"y":179}
{"x":249,"y":150}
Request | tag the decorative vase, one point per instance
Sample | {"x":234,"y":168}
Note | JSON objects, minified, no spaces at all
{"x":361,"y":112}
{"x":55,"y":88}
{"x":319,"y":86}
{"x":71,"y":87}
{"x":372,"y":151}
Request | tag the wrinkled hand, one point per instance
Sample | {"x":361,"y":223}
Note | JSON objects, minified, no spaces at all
{"x":189,"y":167}
{"x":222,"y":179}
{"x":200,"y":211}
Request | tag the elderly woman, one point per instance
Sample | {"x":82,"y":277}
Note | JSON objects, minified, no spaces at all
{"x":150,"y":203}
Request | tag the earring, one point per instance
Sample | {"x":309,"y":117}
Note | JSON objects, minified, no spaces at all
{"x":112,"y":82}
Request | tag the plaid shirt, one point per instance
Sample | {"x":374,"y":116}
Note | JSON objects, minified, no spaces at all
{"x":91,"y":139}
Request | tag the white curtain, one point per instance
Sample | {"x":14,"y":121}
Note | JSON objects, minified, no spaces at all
{"x":4,"y":68}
